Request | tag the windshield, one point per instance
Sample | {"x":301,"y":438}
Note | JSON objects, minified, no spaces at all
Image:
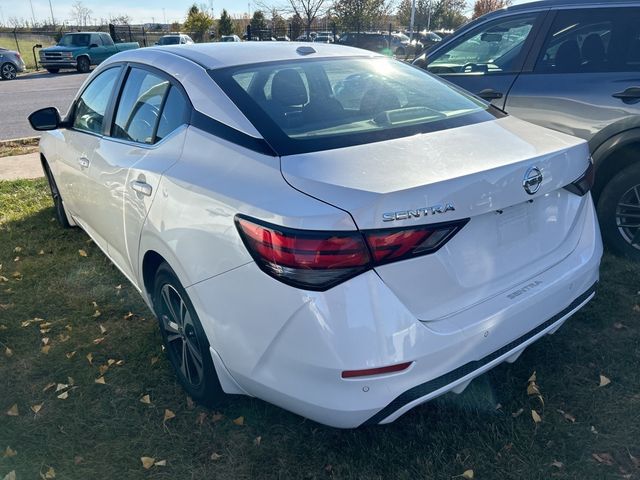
{"x":313,"y":99}
{"x":75,"y":40}
{"x":169,"y":41}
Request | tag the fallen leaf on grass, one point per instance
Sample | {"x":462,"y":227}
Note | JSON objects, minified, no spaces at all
{"x":61,"y":386}
{"x":567,"y":416}
{"x":96,"y":314}
{"x":46,"y":349}
{"x":603,"y":458}
{"x":13,"y":411}
{"x":103,"y":369}
{"x":36,"y":408}
{"x":120,"y":363}
{"x":17,"y":275}
{"x":146,"y":399}
{"x":604,"y":381}
{"x":202,"y":416}
{"x":147,"y":462}
{"x":9,"y":452}
{"x":557,"y":464}
{"x":215,"y":456}
{"x":49,"y":385}
{"x":160,"y":463}
{"x":8,"y":352}
{"x":128,"y":316}
{"x":98,"y":341}
{"x":593,"y":430}
{"x":50,"y":473}
{"x":619,"y":326}
{"x":190,"y":403}
{"x":10,"y":476}
{"x":216,"y":417}
{"x":532,"y":389}
{"x":239,"y":421}
{"x":70,"y":354}
{"x":45,"y":341}
{"x":3,"y":279}
{"x":41,"y":252}
{"x":100,"y":380}
{"x":154,"y":360}
{"x":468,"y":474}
{"x":63,"y":337}
{"x":636,"y":308}
{"x":634,"y":460}
{"x":90,"y":358}
{"x":518,"y":413}
{"x":71,"y":381}
{"x":63,"y":395}
{"x":17,"y":249}
{"x":111,"y":361}
{"x":103,"y":330}
{"x":536,"y":416}
{"x":257,"y":441}
{"x":168,"y":415}
{"x":82,"y":253}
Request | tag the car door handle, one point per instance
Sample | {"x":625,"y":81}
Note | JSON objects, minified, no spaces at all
{"x":142,"y":187}
{"x":83,"y":162}
{"x":490,"y":94}
{"x":630,"y":93}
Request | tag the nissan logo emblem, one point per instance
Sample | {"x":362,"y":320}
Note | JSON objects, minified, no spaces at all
{"x":532,"y":180}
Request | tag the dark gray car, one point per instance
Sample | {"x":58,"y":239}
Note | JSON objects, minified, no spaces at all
{"x":11,"y":64}
{"x":570,"y":65}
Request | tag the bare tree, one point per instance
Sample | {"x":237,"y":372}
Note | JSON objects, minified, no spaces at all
{"x":120,"y":20}
{"x":307,"y":10}
{"x":80,"y":14}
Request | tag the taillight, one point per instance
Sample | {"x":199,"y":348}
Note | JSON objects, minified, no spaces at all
{"x":583,"y":184}
{"x":319,"y":260}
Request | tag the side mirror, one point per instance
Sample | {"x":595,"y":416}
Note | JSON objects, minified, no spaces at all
{"x":45,"y":119}
{"x":93,"y":45}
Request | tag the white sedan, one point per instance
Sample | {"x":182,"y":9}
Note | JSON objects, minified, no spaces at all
{"x":327,"y":229}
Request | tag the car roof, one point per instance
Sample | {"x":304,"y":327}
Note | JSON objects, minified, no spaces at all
{"x":564,"y":3}
{"x":226,"y":54}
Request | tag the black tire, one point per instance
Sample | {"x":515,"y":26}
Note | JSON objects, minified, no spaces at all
{"x":53,"y":70}
{"x":619,"y":213}
{"x":184,"y":339}
{"x":8,"y":71}
{"x":58,"y":205}
{"x":84,"y":65}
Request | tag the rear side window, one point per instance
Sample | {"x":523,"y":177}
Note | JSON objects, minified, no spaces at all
{"x":591,"y":41}
{"x":92,"y":104}
{"x":174,"y":114}
{"x":139,"y":107}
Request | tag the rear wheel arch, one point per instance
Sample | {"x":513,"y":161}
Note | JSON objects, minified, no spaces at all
{"x":614,"y":155}
{"x":150,"y":264}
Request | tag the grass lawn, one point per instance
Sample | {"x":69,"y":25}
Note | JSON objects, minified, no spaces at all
{"x":84,"y":307}
{"x":18,"y":147}
{"x":26,"y":47}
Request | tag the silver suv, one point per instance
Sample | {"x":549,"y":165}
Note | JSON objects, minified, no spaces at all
{"x":570,"y":65}
{"x":11,"y":64}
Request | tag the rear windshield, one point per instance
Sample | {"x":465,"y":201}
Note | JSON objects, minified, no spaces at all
{"x":169,"y":41}
{"x":318,"y":104}
{"x":75,"y":40}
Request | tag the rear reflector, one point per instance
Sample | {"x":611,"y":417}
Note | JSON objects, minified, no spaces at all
{"x":319,"y":260}
{"x":376,"y":371}
{"x":583,"y":184}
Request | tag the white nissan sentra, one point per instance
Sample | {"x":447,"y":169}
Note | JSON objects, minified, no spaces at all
{"x":327,"y":229}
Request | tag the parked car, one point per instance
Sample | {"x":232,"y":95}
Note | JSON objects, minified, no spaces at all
{"x":376,"y":42}
{"x":402,"y":46}
{"x":283,"y":38}
{"x":323,"y":39}
{"x":175,"y":39}
{"x":229,"y":38}
{"x":81,"y":50}
{"x":290,"y":246}
{"x":429,"y":39}
{"x":573,"y":66}
{"x":11,"y":64}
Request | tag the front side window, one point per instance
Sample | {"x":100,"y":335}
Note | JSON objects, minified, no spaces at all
{"x":340,"y":98}
{"x":592,"y":40}
{"x":95,"y":39}
{"x":92,"y":104}
{"x":139,"y":108}
{"x":491,"y":49}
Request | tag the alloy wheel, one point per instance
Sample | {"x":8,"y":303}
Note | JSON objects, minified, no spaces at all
{"x":9,"y":71}
{"x":628,"y":216}
{"x":181,"y":335}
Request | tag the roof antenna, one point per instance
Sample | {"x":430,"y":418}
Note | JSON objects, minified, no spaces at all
{"x":305,"y":50}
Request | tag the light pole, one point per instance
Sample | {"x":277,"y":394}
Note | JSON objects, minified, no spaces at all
{"x":413,"y":17}
{"x":53,"y":21}
{"x":429,"y":16}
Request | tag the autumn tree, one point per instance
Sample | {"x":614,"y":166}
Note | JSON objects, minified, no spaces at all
{"x":225,"y":24}
{"x":446,"y":14}
{"x":485,"y":6}
{"x":198,"y":22}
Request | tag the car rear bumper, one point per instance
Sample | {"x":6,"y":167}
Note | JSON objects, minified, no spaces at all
{"x":290,"y":347}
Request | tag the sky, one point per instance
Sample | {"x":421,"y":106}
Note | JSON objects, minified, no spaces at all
{"x":142,"y":11}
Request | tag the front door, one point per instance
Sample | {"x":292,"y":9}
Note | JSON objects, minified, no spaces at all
{"x":487,"y":59}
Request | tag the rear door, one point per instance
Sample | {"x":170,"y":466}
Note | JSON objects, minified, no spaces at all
{"x":146,"y":138}
{"x":487,"y":60}
{"x":586,"y":75}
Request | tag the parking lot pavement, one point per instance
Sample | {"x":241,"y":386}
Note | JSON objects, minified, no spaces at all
{"x":20,"y":97}
{"x":21,"y":166}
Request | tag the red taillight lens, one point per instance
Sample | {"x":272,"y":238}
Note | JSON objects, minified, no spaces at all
{"x":582,"y":185}
{"x":319,"y":260}
{"x":390,"y":245}
{"x":376,"y":371}
{"x":302,"y":258}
